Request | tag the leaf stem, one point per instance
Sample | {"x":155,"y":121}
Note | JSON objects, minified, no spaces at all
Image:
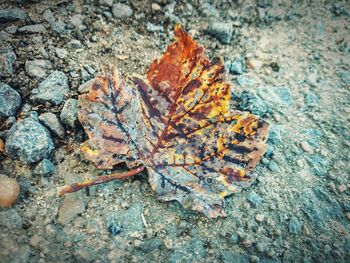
{"x":99,"y":180}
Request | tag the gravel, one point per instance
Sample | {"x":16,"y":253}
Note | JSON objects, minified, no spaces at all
{"x":29,"y":141}
{"x":52,"y":89}
{"x":10,"y":100}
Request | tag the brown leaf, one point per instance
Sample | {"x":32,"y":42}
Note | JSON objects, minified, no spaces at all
{"x":177,"y":123}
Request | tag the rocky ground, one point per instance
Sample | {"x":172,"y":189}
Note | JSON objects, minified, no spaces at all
{"x":288,"y":62}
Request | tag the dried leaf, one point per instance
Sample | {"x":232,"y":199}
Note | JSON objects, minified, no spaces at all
{"x":177,"y":123}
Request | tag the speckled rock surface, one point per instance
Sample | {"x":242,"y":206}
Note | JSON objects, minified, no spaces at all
{"x":29,"y":141}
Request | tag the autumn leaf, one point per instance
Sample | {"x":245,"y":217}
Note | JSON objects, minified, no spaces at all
{"x":175,"y":123}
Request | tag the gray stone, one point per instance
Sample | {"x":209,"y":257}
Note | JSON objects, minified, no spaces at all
{"x":222,"y":31}
{"x":12,"y":14}
{"x":237,"y":67}
{"x":151,"y":245}
{"x":52,"y":122}
{"x":229,"y":257}
{"x":38,"y":68}
{"x":32,"y":29}
{"x":56,"y":26}
{"x":10,"y":218}
{"x":29,"y":141}
{"x":75,"y":44}
{"x":4,"y":36}
{"x":10,"y":100}
{"x":45,"y":168}
{"x":106,"y":2}
{"x":52,"y":89}
{"x":275,"y":134}
{"x":61,"y":52}
{"x":154,"y":28}
{"x":130,"y":220}
{"x":209,"y":10}
{"x":254,"y":199}
{"x":7,"y":59}
{"x":85,"y":87}
{"x":69,"y":113}
{"x":121,"y":10}
{"x":294,"y":225}
{"x":11,"y":29}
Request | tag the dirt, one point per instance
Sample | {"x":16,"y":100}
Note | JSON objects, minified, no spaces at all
{"x":296,"y":60}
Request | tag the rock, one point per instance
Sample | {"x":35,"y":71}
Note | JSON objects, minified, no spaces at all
{"x":247,"y":243}
{"x":254,"y":199}
{"x":12,"y":14}
{"x":222,"y":31}
{"x":276,"y":96}
{"x":52,"y":89}
{"x":61,"y":52}
{"x":10,"y":218}
{"x":7,"y":59}
{"x":4,"y":36}
{"x":275,"y":134}
{"x":38,"y":68}
{"x":77,"y":21}
{"x":209,"y":10}
{"x":306,"y":147}
{"x":11,"y":29}
{"x":56,"y":26}
{"x":237,"y":67}
{"x":75,"y":44}
{"x":10,"y":100}
{"x":32,"y":29}
{"x":85,"y":87}
{"x":106,"y":2}
{"x":245,"y":81}
{"x":311,"y":99}
{"x":294,"y":225}
{"x":342,"y":188}
{"x":234,"y":238}
{"x":259,"y":218}
{"x":254,"y":259}
{"x":319,"y":164}
{"x":72,"y":206}
{"x":52,"y":122}
{"x":154,"y":28}
{"x":229,"y":257}
{"x":252,"y":103}
{"x":69,"y":113}
{"x":114,"y":229}
{"x":29,"y":141}
{"x":155,"y":7}
{"x":9,"y":191}
{"x":129,"y":220}
{"x":121,"y":10}
{"x":44,"y":168}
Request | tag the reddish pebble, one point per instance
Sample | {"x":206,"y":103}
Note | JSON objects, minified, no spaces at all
{"x":342,"y":188}
{"x":9,"y":191}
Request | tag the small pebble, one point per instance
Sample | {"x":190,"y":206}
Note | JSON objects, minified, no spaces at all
{"x":247,"y":243}
{"x":155,"y":7}
{"x":306,"y":147}
{"x":348,"y":215}
{"x":254,"y":259}
{"x":259,"y":218}
{"x":9,"y":190}
{"x":342,"y":188}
